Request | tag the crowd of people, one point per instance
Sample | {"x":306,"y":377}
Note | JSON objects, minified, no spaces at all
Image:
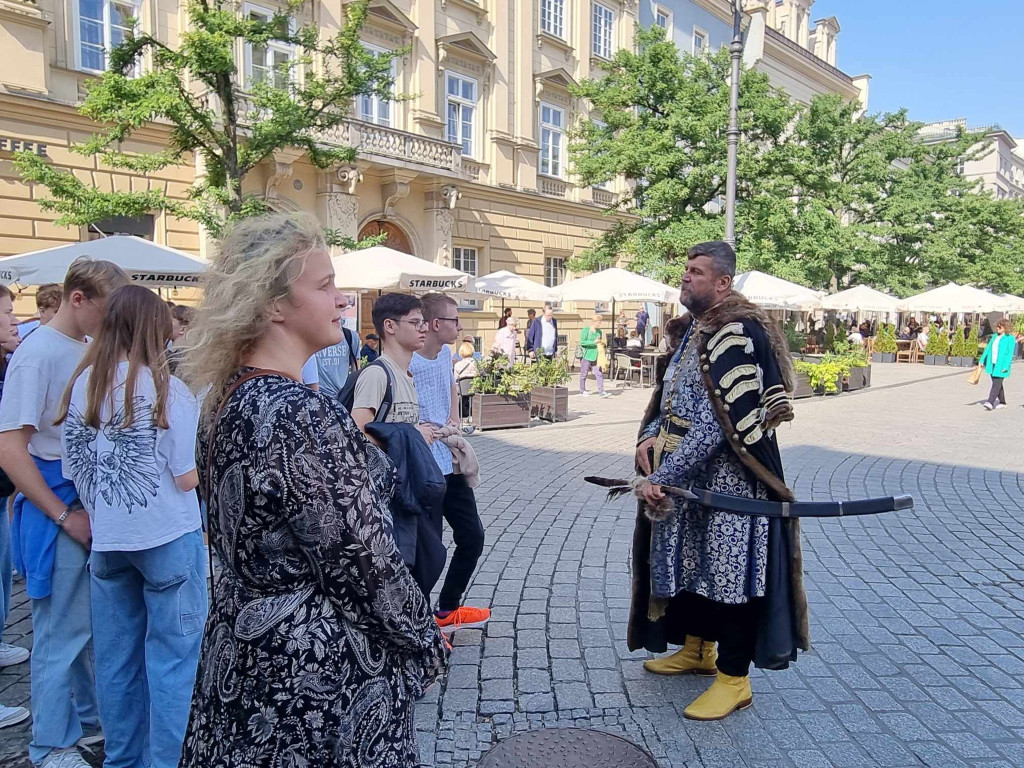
{"x":324,"y":468}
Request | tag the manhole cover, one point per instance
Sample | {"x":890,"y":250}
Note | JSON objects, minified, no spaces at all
{"x":566,"y":748}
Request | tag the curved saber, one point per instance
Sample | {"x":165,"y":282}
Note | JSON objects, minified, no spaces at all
{"x":766,"y":508}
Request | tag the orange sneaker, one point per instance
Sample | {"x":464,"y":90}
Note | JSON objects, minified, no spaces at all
{"x":463,"y":617}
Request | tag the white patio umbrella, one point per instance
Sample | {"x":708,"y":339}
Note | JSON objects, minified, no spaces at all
{"x":616,"y":285}
{"x":861,"y":298}
{"x":508,"y":285}
{"x":952,"y":298}
{"x":1014,"y":304}
{"x":773,"y":292}
{"x":146,"y":262}
{"x":381,"y":267}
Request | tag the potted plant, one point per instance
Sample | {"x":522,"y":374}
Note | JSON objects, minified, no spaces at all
{"x":502,"y":394}
{"x":937,"y":349}
{"x":973,"y":344}
{"x":549,"y":399}
{"x":824,"y":378}
{"x":859,"y":370}
{"x":959,"y":351}
{"x":885,"y":345}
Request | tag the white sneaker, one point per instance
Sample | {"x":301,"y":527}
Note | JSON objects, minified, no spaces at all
{"x":12,"y":715}
{"x":585,"y":393}
{"x":65,"y":758}
{"x":12,"y":654}
{"x":1001,"y":405}
{"x":605,"y":394}
{"x":988,"y":405}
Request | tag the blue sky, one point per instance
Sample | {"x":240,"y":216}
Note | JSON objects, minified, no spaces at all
{"x":941,"y":58}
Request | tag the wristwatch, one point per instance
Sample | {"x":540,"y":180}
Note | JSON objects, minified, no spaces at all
{"x":73,"y":506}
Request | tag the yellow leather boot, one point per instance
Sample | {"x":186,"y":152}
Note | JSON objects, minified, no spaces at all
{"x":725,"y":696}
{"x":695,"y":657}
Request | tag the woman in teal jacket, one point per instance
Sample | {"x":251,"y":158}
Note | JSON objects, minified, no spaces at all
{"x":997,"y":358}
{"x":589,"y":338}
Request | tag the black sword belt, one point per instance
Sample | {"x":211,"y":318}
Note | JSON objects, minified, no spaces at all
{"x":766,"y":508}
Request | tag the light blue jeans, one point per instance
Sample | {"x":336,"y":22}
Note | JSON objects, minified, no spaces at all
{"x":63,"y":681}
{"x":148,"y":610}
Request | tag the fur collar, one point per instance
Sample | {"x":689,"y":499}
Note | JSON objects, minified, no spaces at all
{"x":736,"y":307}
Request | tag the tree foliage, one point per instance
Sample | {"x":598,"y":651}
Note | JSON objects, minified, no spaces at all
{"x":826,"y":196}
{"x":231,"y":126}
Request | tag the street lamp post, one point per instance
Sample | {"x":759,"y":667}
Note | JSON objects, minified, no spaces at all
{"x":733,"y":134}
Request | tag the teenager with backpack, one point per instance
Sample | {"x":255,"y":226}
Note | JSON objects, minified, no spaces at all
{"x":434,"y":376}
{"x":386,"y":408}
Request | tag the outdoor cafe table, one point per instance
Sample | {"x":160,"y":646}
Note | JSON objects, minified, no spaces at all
{"x":648,"y":366}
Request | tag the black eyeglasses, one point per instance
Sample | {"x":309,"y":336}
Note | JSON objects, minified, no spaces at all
{"x":416,"y":323}
{"x":450,"y":319}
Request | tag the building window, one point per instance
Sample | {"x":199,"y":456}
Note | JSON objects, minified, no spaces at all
{"x":700,"y":42}
{"x":102,"y":24}
{"x":604,"y":26}
{"x":552,"y":134}
{"x":554,"y":271}
{"x":270,"y":63}
{"x":663,"y":19}
{"x":467,"y":260}
{"x":373,"y":108}
{"x":461,"y":96}
{"x":552,"y":17}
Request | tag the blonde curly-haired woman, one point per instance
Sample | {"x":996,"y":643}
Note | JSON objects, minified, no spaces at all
{"x":318,"y":640}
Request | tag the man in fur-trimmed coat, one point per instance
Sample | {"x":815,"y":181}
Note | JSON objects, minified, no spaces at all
{"x":703,"y":575}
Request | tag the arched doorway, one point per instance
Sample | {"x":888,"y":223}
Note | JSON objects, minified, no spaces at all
{"x":393,"y":236}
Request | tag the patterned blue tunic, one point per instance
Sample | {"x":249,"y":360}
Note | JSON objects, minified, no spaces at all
{"x":718,"y":555}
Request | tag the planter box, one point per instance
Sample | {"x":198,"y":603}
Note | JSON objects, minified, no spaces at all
{"x":883,"y":357}
{"x":839,"y":388}
{"x":934,"y":360}
{"x":860,"y":377}
{"x":962,"y":362}
{"x":550,"y":403}
{"x":803,"y":387}
{"x":499,"y":411}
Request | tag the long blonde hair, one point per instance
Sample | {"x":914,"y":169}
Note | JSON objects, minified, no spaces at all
{"x":136,"y":325}
{"x":256,"y":265}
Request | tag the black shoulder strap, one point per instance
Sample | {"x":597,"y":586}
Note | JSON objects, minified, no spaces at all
{"x":353,"y":353}
{"x":389,"y":393}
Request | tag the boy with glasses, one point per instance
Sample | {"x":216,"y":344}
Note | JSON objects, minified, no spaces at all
{"x":433,"y":374}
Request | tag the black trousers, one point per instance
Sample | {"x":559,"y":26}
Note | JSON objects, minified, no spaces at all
{"x":734,"y":627}
{"x":997,"y":393}
{"x":459,"y":509}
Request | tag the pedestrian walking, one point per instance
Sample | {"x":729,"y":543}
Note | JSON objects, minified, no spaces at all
{"x":148,"y":564}
{"x":10,"y":655}
{"x":318,"y":640}
{"x":433,"y":373}
{"x":642,"y":321}
{"x":703,"y":575}
{"x":542,"y":336}
{"x":50,"y":530}
{"x":997,"y":359}
{"x":590,"y":337}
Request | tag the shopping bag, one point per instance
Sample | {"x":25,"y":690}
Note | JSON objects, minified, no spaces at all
{"x":974,"y":377}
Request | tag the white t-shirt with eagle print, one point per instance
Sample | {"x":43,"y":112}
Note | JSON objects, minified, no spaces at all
{"x":125,"y":476}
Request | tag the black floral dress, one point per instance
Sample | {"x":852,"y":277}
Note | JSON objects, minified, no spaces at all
{"x":318,"y":639}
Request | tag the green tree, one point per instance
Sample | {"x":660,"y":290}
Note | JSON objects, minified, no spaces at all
{"x":660,"y":123}
{"x":230,"y":125}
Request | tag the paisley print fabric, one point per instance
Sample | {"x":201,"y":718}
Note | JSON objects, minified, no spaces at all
{"x":318,"y":640}
{"x":713,"y":553}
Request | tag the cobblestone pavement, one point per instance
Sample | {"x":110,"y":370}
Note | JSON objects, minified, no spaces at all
{"x":916,"y":617}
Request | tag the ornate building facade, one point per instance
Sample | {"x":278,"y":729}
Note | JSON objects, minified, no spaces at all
{"x":470,"y":171}
{"x":999,"y":166}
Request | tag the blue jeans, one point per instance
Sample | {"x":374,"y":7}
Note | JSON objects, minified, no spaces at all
{"x":6,"y":566}
{"x":63,"y":682}
{"x":148,"y":610}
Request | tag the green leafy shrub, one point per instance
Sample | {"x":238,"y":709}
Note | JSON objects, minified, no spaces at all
{"x":551,"y":373}
{"x":885,"y":342}
{"x":960,"y":346}
{"x":826,"y":375}
{"x":974,"y":341}
{"x":795,"y":340}
{"x":938,"y":344}
{"x":495,"y":377}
